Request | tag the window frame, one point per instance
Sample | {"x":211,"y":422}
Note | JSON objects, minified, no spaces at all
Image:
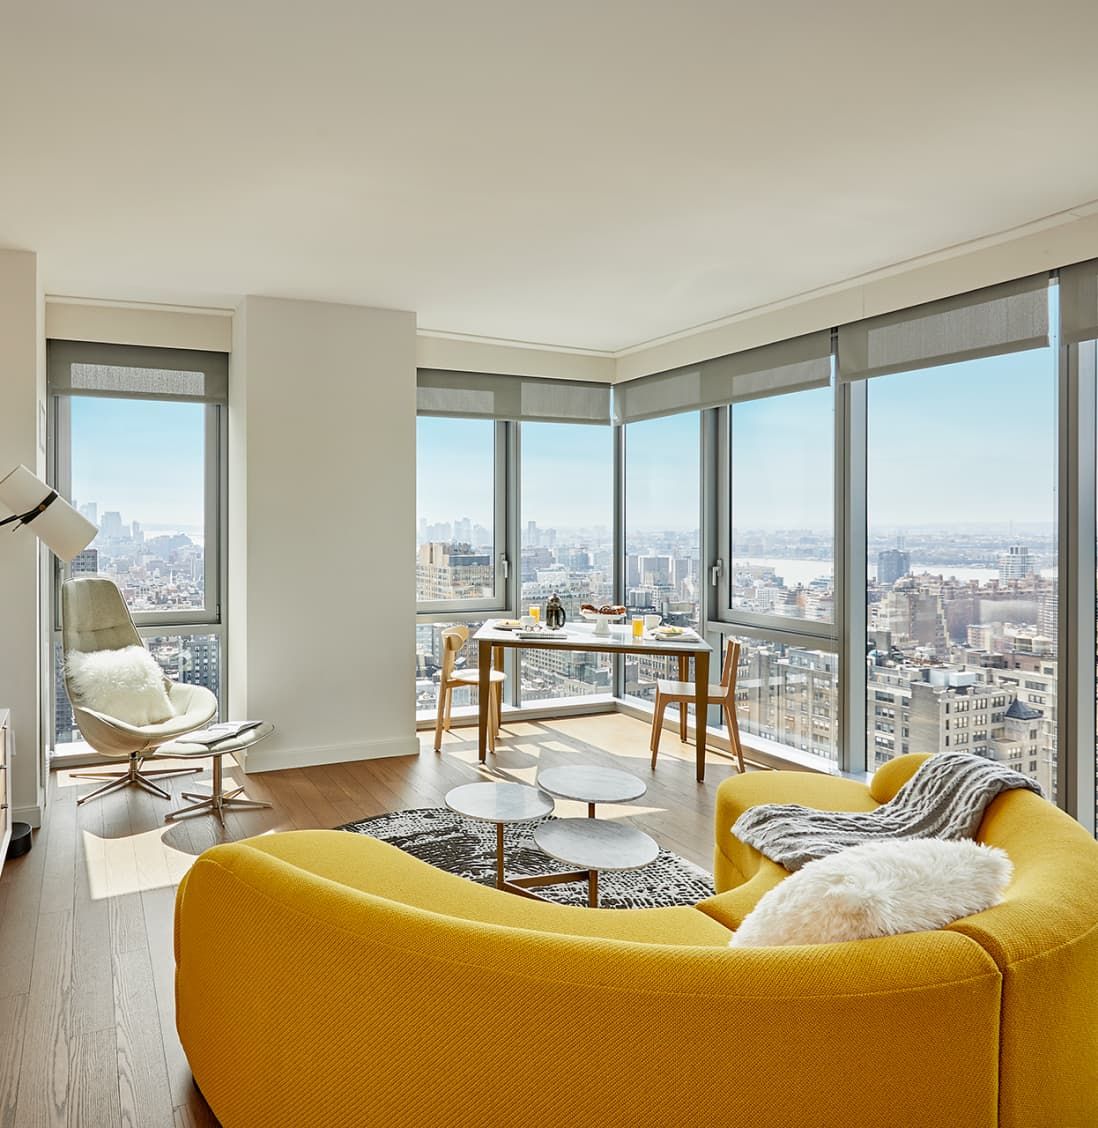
{"x":725,"y":482}
{"x":211,"y":619}
{"x":722,"y":619}
{"x":621,"y":541}
{"x":503,"y":601}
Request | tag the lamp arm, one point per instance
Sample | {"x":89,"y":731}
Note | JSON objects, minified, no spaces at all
{"x":29,"y":516}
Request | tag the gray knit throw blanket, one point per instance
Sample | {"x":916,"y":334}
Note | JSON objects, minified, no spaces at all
{"x":945,"y":798}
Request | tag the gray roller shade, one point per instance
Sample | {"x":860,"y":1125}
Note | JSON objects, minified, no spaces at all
{"x":1001,"y":319}
{"x":89,"y":368}
{"x":771,"y":370}
{"x":529,"y":399}
{"x":1079,"y":302}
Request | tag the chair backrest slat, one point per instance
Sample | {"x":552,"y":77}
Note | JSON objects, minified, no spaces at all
{"x":730,"y":669}
{"x":453,"y":639}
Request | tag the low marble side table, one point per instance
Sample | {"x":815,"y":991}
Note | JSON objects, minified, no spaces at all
{"x":218,"y":801}
{"x":591,"y":784}
{"x":594,"y":845}
{"x":502,"y":803}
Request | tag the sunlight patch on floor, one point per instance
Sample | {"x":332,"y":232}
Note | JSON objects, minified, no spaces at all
{"x":133,"y":863}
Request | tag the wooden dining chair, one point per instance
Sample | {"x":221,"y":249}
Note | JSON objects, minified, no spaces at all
{"x":453,"y":639}
{"x":682,"y":692}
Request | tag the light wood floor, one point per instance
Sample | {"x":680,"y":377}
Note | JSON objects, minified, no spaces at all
{"x":87,"y":1029}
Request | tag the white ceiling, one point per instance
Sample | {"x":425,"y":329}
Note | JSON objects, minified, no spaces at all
{"x":585,"y":174}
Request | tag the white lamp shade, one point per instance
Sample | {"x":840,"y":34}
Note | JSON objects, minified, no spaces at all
{"x":64,"y":531}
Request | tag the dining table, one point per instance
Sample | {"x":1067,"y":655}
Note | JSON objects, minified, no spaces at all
{"x":492,"y":640}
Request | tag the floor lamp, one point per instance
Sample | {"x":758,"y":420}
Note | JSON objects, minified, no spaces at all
{"x":65,"y":533}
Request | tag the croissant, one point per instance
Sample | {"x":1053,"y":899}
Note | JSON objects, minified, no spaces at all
{"x":605,"y":609}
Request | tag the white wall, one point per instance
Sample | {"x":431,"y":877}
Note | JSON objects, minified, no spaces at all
{"x":139,"y":323}
{"x":322,"y":530}
{"x":22,"y":438}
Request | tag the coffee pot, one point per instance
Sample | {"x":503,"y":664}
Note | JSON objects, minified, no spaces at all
{"x":554,"y":613}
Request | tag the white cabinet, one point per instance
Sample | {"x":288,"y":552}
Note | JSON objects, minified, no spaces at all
{"x":5,"y":784}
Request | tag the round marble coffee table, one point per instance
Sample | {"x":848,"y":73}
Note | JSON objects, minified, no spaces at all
{"x":596,"y":844}
{"x":591,"y":784}
{"x":500,"y":803}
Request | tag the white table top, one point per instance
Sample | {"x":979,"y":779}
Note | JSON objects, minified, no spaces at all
{"x":499,"y":802}
{"x":591,"y":784}
{"x":581,"y":636}
{"x":597,"y":844}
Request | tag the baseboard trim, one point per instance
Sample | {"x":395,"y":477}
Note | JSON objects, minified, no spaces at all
{"x":261,"y":759}
{"x":32,"y":815}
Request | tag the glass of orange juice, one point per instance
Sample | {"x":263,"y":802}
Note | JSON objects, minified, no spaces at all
{"x":535,"y":613}
{"x":638,"y":626}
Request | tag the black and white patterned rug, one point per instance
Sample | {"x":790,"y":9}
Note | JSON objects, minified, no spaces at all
{"x":468,"y":848}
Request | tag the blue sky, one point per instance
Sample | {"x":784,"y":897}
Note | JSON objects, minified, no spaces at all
{"x":145,"y":459}
{"x":971,"y":444}
{"x":962,"y":444}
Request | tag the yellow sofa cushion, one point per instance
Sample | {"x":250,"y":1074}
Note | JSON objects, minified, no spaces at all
{"x":1043,"y":937}
{"x":360,"y":862}
{"x":305,"y":1000}
{"x":734,"y":862}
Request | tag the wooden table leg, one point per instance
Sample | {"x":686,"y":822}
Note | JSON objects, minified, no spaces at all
{"x":497,"y":664}
{"x":484,"y":687}
{"x":701,"y":706}
{"x":684,"y":664}
{"x":593,"y":889}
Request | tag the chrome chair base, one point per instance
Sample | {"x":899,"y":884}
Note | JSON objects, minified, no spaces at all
{"x":218,"y":801}
{"x":131,"y":777}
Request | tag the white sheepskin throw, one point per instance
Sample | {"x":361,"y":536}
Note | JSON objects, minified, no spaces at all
{"x":126,"y":684}
{"x":878,"y":889}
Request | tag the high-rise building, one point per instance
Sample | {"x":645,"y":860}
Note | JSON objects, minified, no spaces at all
{"x":90,"y":509}
{"x":85,"y":563}
{"x":892,"y":564}
{"x":1015,"y":564}
{"x":112,"y":524}
{"x":446,"y":571}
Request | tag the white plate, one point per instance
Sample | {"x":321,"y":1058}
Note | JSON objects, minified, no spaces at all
{"x":686,"y":636}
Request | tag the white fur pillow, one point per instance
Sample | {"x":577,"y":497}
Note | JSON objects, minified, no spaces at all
{"x":878,"y":889}
{"x":126,"y":683}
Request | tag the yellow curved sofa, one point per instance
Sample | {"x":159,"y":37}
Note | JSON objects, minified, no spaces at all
{"x":328,"y":979}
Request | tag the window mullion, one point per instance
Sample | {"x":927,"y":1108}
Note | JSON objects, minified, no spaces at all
{"x":850,"y":570}
{"x":509,"y":504}
{"x":619,"y":545}
{"x":1075,"y":790}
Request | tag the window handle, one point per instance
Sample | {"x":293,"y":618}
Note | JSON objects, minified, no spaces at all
{"x":716,"y":571}
{"x":505,"y":564}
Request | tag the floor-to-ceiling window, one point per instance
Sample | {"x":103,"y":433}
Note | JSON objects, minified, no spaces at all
{"x":781,"y":493}
{"x":567,"y":548}
{"x":138,"y":449}
{"x":460,"y":480}
{"x":662,"y":534}
{"x":961,"y":516}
